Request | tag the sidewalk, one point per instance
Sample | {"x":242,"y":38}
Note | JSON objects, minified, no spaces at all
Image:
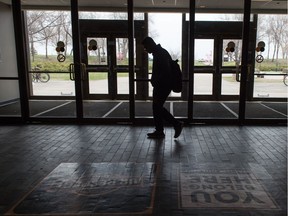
{"x":271,"y":86}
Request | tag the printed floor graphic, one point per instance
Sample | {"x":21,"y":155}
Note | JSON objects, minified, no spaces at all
{"x":131,"y":188}
{"x":74,"y":188}
{"x":223,"y":189}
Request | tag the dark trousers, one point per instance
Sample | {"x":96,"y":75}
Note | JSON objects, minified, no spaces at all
{"x":159,"y":112}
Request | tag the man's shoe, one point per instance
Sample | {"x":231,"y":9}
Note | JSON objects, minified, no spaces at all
{"x":178,"y":129}
{"x":156,"y":135}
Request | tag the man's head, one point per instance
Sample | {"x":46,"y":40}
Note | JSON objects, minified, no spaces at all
{"x":149,"y":44}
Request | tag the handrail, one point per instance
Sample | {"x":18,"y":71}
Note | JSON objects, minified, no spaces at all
{"x":9,"y":78}
{"x":139,"y":79}
{"x":46,"y":71}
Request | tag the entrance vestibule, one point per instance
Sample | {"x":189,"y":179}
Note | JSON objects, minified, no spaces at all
{"x":99,"y":90}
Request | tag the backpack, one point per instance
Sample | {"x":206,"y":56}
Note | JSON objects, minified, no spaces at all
{"x":176,"y":76}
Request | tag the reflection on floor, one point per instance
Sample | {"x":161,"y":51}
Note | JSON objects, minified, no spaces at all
{"x":115,"y":170}
{"x":120,"y":109}
{"x":93,"y":188}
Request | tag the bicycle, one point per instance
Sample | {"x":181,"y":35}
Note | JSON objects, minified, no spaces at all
{"x":285,"y":79}
{"x":42,"y":77}
{"x":39,"y":76}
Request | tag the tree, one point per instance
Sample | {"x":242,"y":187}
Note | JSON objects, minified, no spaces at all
{"x":273,"y":30}
{"x":48,"y":29}
{"x":277,"y":28}
{"x":34,"y":18}
{"x":63,"y":30}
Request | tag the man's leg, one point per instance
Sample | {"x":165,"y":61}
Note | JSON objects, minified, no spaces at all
{"x":159,"y":97}
{"x":160,"y":113}
{"x":166,"y":115}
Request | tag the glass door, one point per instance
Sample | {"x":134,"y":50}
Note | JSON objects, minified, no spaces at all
{"x":106,"y":61}
{"x":216,"y":74}
{"x":266,"y":99}
{"x":216,"y":70}
{"x":205,"y":68}
{"x":107,"y":72}
{"x":97,"y":59}
{"x":50,"y":53}
{"x":229,"y":68}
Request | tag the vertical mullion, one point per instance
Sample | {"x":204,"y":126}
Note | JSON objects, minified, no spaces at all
{"x":21,"y":61}
{"x":77,"y":58}
{"x":244,"y":60}
{"x":191,"y":56}
{"x":131,"y":60}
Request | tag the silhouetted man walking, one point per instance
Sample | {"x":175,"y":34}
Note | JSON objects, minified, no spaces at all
{"x":161,"y":81}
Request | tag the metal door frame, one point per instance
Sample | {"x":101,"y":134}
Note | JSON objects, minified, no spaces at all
{"x":214,"y":30}
{"x":109,"y":29}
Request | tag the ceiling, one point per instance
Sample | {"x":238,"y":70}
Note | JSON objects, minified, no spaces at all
{"x":210,"y":6}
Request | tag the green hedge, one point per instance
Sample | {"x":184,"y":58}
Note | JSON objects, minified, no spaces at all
{"x":51,"y":64}
{"x":268,"y":65}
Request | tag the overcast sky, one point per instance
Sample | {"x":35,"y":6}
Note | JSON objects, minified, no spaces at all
{"x":166,"y":29}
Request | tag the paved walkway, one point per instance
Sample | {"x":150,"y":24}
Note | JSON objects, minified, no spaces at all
{"x":92,"y":170}
{"x":269,"y":86}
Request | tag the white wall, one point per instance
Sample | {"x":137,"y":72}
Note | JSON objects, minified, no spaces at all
{"x":9,"y":89}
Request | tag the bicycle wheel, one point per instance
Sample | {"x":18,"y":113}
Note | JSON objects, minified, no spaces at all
{"x":285,"y":80}
{"x":44,"y":77}
{"x":33,"y":76}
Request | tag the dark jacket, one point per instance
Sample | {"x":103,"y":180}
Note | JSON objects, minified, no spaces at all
{"x":161,"y":71}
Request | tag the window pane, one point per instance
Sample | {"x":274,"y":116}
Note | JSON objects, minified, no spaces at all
{"x":203,"y":84}
{"x":218,"y":17}
{"x":269,"y":86}
{"x":204,"y":52}
{"x":122,"y":54}
{"x":97,"y":51}
{"x":123,"y":83}
{"x":229,"y":85}
{"x":98,"y":83}
{"x":231,"y":55}
{"x":51,"y":84}
{"x":270,"y":58}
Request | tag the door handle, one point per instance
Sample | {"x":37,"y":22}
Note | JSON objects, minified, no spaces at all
{"x":238,"y":72}
{"x":72,"y":72}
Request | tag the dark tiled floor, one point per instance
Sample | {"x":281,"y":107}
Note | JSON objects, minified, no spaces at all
{"x":112,"y":170}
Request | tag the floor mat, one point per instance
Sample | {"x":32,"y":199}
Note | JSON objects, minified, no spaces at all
{"x":39,"y":107}
{"x":180,"y":109}
{"x":121,"y":111}
{"x":280,"y":107}
{"x":211,"y":110}
{"x":98,"y":109}
{"x":142,"y":109}
{"x":255,"y":110}
{"x":64,"y":109}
